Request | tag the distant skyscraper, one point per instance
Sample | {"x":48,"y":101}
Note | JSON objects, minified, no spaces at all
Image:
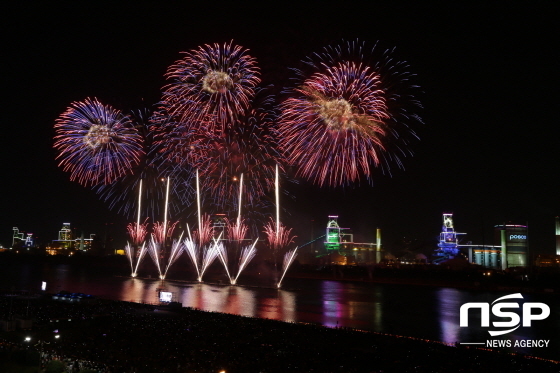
{"x":65,"y":236}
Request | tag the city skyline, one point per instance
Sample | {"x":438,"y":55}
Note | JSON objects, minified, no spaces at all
{"x":487,"y":149}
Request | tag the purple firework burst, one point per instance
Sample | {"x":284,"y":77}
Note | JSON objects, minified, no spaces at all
{"x":96,"y":143}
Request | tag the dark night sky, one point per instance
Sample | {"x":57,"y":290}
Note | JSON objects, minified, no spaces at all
{"x":489,"y":145}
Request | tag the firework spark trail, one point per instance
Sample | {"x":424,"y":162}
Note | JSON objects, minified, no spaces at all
{"x":96,"y":143}
{"x":159,"y":233}
{"x":137,"y":232}
{"x":155,"y":250}
{"x":237,"y":231}
{"x":277,"y":195}
{"x":208,"y":253}
{"x":192,"y":250}
{"x":176,"y":250}
{"x":248,"y":147}
{"x":121,"y":194}
{"x":222,"y":254}
{"x":239,"y":200}
{"x":147,"y":179}
{"x":141,"y":255}
{"x":139,"y":204}
{"x":129,"y":250}
{"x":199,"y":210}
{"x":345,"y":117}
{"x":212,"y":85}
{"x":203,"y":235}
{"x":278,"y":235}
{"x":165,"y":208}
{"x":236,"y":234}
{"x":288,"y":260}
{"x":247,"y":254}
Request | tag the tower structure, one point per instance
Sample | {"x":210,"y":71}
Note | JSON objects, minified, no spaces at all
{"x":29,"y":240}
{"x":335,"y":235}
{"x":448,"y":246}
{"x":65,"y":236}
{"x":17,"y":236}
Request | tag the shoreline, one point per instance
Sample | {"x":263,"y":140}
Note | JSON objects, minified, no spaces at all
{"x":117,"y":317}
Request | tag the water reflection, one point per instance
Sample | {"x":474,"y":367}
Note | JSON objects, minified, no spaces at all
{"x":424,"y":312}
{"x":449,"y":302}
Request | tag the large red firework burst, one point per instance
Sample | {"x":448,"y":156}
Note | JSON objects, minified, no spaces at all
{"x":244,"y":155}
{"x":212,"y":84}
{"x":96,"y":143}
{"x":345,"y":116}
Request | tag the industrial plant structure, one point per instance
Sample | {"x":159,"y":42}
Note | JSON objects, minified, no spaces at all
{"x":510,"y":252}
{"x":341,"y":248}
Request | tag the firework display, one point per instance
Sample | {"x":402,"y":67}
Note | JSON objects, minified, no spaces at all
{"x":96,"y":143}
{"x":216,"y":133}
{"x":345,"y":116}
{"x":210,"y":86}
{"x":152,"y":171}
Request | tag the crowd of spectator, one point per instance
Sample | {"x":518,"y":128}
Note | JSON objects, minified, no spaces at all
{"x":111,"y":336}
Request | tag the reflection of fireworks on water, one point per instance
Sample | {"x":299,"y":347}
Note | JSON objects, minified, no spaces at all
{"x":211,"y":84}
{"x":345,"y":117}
{"x":96,"y":143}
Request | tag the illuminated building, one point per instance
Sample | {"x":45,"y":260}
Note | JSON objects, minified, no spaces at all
{"x":66,"y":241}
{"x":65,"y":237}
{"x":487,"y":256}
{"x":21,"y":238}
{"x":341,"y":248}
{"x":336,"y":235}
{"x":448,"y":246}
{"x":511,"y":251}
{"x":514,"y":244}
{"x":17,"y":237}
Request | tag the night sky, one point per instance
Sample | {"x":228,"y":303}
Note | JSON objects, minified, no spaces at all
{"x":489,"y":149}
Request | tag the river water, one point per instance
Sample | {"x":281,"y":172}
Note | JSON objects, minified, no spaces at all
{"x":430,"y":313}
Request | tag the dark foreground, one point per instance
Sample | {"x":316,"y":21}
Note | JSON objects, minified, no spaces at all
{"x":110,"y":336}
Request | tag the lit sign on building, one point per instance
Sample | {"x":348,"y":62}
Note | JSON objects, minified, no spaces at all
{"x":517,"y":237}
